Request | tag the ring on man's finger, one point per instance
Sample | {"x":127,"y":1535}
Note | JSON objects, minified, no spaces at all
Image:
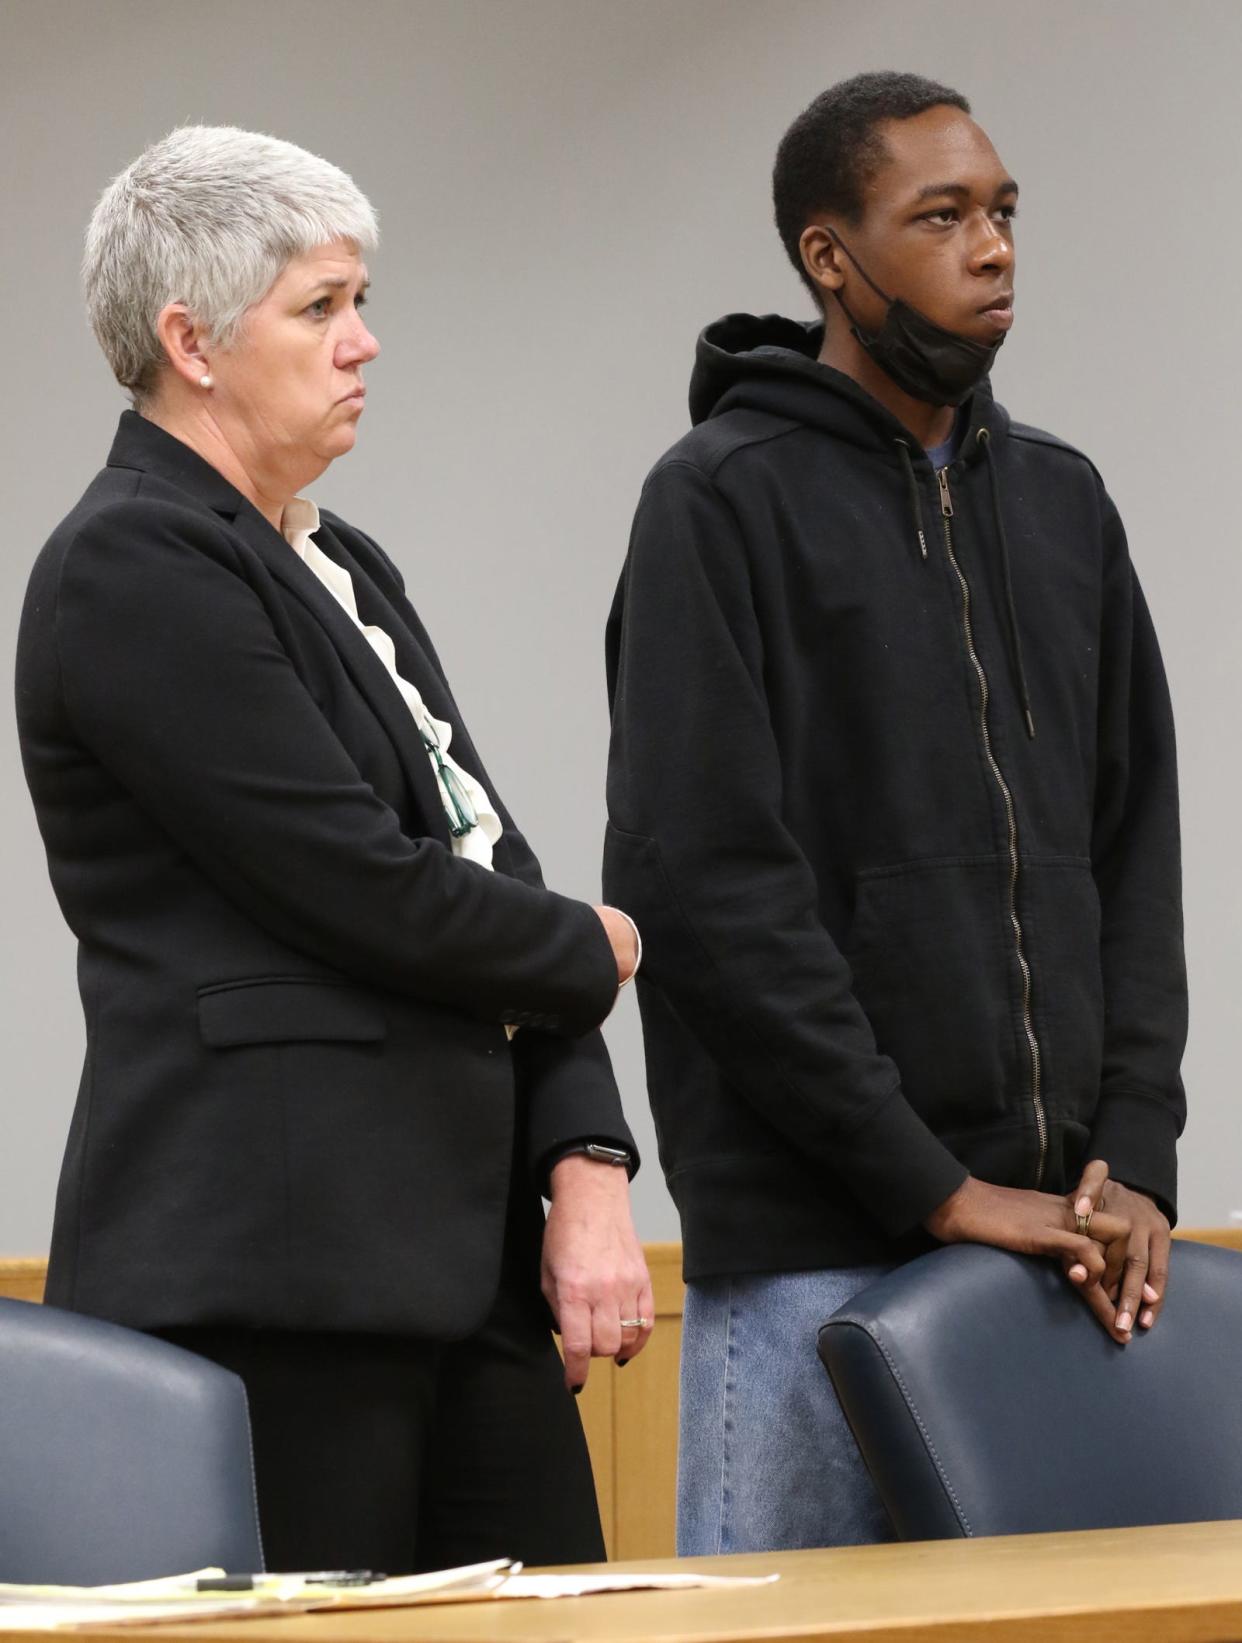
{"x":636,"y":1323}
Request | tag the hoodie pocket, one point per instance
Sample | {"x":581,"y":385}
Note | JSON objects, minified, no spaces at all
{"x":932,"y":953}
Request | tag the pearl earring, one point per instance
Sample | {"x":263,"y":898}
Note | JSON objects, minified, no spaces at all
{"x":206,"y":380}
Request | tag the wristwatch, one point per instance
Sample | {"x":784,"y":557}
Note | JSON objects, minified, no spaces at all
{"x":597,"y":1150}
{"x":600,"y":1153}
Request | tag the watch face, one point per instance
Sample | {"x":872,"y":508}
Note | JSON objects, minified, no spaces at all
{"x":611,"y":1155}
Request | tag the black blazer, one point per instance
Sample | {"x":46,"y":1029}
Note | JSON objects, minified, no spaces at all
{"x":299,"y":1107}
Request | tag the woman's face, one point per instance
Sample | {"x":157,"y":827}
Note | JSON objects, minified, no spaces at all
{"x":289,"y":392}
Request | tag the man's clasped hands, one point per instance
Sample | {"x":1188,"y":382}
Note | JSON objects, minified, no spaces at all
{"x":1119,"y":1260}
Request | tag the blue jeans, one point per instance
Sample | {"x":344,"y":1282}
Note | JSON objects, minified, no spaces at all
{"x":766,"y":1461}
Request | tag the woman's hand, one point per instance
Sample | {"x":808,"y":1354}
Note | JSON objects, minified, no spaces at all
{"x":623,"y":939}
{"x":594,"y":1274}
{"x":1136,"y":1265}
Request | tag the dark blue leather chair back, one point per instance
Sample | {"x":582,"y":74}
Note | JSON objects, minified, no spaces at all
{"x":121,"y":1457}
{"x":986,"y":1399}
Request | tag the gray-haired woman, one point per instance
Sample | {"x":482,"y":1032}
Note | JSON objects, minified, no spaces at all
{"x":339,"y":1036}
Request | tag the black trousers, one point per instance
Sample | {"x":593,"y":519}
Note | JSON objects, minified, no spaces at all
{"x":397,"y":1455}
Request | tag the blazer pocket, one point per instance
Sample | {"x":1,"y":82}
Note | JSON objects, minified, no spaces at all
{"x":283,"y":1009}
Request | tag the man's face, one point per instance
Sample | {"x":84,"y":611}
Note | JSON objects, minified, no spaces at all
{"x":937,"y":228}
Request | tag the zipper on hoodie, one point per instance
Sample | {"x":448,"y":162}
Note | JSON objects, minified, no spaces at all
{"x":1041,"y":1119}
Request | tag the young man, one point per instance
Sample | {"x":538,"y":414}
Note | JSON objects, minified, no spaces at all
{"x":893,"y":798}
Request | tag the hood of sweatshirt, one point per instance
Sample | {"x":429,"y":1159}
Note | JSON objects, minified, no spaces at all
{"x":765,"y":362}
{"x":768,"y":363}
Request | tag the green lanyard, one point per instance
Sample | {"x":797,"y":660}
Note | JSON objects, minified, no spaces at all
{"x":462,"y":816}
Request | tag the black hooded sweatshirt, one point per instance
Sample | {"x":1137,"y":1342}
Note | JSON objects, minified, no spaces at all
{"x":890,"y":935}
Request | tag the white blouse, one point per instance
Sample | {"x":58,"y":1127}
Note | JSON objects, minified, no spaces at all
{"x":298,"y":522}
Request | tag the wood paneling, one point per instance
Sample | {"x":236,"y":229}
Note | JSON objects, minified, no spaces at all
{"x":596,"y":1405}
{"x":22,"y":1278}
{"x":630,"y":1418}
{"x":645,"y":1422}
{"x":1226,"y":1237}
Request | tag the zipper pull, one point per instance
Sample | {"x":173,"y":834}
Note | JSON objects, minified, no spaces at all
{"x":946,"y":501}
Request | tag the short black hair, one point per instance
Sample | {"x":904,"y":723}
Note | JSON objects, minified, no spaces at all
{"x":832,"y":149}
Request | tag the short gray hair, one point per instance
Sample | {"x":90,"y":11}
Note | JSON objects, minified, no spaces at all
{"x":209,"y":216}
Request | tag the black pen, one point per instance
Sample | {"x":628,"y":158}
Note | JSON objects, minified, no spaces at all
{"x":343,"y":1577}
{"x":253,"y":1583}
{"x":321,"y":1577}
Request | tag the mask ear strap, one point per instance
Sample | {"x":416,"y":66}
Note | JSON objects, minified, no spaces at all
{"x":854,"y":325}
{"x":837,"y":240}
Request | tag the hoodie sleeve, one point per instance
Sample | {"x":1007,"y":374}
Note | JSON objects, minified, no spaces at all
{"x":698,"y":853}
{"x":1136,"y":856}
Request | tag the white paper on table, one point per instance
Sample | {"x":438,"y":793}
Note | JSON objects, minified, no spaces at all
{"x":146,"y":1602}
{"x":473,"y":1580}
{"x":175,"y":1597}
{"x":46,"y":1616}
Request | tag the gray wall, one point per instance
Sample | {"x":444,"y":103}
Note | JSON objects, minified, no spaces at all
{"x":569,"y":191}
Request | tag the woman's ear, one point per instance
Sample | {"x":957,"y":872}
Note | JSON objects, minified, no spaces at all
{"x":184,"y":344}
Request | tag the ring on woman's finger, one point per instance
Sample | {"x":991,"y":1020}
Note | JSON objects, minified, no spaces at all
{"x":636,"y":1323}
{"x":1082,"y":1223}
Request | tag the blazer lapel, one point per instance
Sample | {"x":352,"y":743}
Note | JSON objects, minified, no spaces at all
{"x":142,"y":445}
{"x":413,"y":661}
{"x":419,"y":666}
{"x":362,"y":664}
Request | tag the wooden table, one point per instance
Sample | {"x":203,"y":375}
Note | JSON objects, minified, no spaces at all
{"x":1181,"y":1584}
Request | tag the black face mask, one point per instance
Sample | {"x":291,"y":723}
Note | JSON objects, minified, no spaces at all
{"x":928,"y":362}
